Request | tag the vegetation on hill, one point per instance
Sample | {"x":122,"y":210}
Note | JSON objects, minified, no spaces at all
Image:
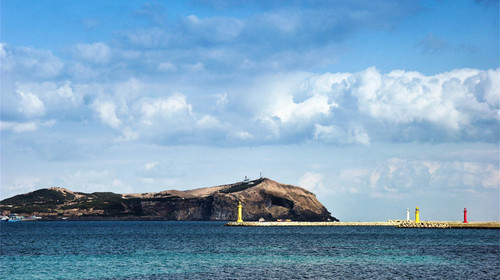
{"x":44,"y":200}
{"x":110,"y":203}
{"x":50,"y":200}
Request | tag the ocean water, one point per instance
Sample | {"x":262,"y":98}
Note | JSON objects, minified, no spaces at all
{"x":208,"y":250}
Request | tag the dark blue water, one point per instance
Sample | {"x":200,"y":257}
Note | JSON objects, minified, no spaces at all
{"x":207,"y":250}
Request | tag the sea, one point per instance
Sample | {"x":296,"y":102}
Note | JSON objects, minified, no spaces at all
{"x":209,"y":250}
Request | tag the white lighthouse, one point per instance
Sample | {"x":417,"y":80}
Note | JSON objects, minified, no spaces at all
{"x":407,"y":214}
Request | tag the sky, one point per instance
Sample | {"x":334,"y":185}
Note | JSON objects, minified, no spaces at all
{"x":375,"y":106}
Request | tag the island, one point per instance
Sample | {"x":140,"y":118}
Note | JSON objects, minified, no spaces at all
{"x":264,"y":200}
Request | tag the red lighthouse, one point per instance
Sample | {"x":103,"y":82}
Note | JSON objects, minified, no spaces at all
{"x":465,"y":215}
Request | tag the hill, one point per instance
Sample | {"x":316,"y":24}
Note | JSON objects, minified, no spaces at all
{"x":261,"y":198}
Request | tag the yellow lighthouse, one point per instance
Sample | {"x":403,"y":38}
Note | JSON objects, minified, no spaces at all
{"x":417,"y":215}
{"x":240,"y":215}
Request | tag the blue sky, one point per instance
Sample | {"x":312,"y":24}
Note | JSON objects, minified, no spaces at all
{"x":375,"y":106}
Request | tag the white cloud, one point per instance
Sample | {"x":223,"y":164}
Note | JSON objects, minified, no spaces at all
{"x":19,"y":185}
{"x":335,"y":108}
{"x":400,"y":177}
{"x":491,"y":177}
{"x":488,"y":84}
{"x":80,"y":71}
{"x":94,"y":181}
{"x":370,"y":106}
{"x":287,"y":102}
{"x":166,"y":106}
{"x":30,"y":105}
{"x":432,"y":166}
{"x":94,"y":53}
{"x":3,"y":52}
{"x":354,"y":180}
{"x":221,"y":100}
{"x":166,"y":67}
{"x":172,"y":120}
{"x":445,"y":99}
{"x":312,"y":181}
{"x":107,"y":114}
{"x":209,"y":122}
{"x":242,"y":135}
{"x":357,"y":134}
{"x":66,"y":91}
{"x":150,"y":165}
{"x":18,"y":127}
{"x":127,"y":135}
{"x":54,"y":95}
{"x":328,"y":134}
{"x":25,"y":62}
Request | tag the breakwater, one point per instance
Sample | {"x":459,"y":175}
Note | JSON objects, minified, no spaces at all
{"x":309,"y":224}
{"x":390,"y":223}
{"x":437,"y":224}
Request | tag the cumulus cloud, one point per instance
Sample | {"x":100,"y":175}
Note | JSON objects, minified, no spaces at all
{"x":358,"y":135}
{"x":335,"y":108}
{"x":355,"y":134}
{"x":241,"y":135}
{"x":94,"y":53}
{"x":165,"y":108}
{"x":53,"y":94}
{"x":92,"y":181}
{"x":30,"y":105}
{"x":209,"y":122}
{"x":284,"y":107}
{"x":20,"y":127}
{"x":312,"y":181}
{"x":188,"y":58}
{"x":402,"y":177}
{"x":25,"y":62}
{"x":287,"y":107}
{"x":347,"y":108}
{"x":166,"y":67}
{"x":328,"y":134}
{"x":14,"y":186}
{"x":450,"y":100}
{"x":107,"y":114}
{"x":127,"y":135}
{"x":41,"y":102}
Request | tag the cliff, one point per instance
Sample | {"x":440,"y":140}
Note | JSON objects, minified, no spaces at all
{"x":261,"y":198}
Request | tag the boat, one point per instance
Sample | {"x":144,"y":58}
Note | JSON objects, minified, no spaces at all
{"x":19,"y":218}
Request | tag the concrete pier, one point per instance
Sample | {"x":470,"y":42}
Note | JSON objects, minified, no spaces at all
{"x":390,"y":223}
{"x":437,"y":224}
{"x":310,"y":224}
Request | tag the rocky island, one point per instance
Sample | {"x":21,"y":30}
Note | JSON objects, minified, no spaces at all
{"x":262,"y":198}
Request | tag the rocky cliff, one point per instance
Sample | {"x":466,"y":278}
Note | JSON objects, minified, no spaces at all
{"x":261,"y":198}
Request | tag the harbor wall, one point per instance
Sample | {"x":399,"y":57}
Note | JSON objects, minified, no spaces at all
{"x":391,"y":223}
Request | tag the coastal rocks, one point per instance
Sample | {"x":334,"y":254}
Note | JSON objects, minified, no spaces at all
{"x":261,"y":198}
